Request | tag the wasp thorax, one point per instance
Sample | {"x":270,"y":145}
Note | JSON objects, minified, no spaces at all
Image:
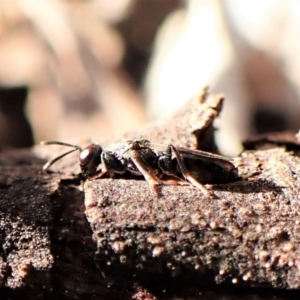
{"x":89,"y":159}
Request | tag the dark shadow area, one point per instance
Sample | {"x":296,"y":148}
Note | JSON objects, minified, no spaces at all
{"x":15,"y":130}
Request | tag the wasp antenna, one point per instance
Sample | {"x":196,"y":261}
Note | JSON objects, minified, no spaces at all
{"x":52,"y":161}
{"x":61,"y":144}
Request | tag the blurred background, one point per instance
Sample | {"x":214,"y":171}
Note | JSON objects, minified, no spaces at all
{"x":96,"y":68}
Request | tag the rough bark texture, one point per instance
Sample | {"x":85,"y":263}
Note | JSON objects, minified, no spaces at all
{"x":116,"y":240}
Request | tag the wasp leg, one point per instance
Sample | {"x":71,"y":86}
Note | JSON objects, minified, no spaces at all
{"x":148,"y":173}
{"x":97,"y":175}
{"x":186,"y":174}
{"x":176,"y":181}
{"x":103,"y":170}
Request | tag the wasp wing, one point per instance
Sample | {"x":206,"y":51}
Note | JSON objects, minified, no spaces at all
{"x":207,"y":167}
{"x":208,"y":157}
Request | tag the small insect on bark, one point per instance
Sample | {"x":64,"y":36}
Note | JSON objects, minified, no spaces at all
{"x":158,"y":164}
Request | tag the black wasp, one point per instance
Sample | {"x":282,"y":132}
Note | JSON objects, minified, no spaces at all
{"x":157,"y":163}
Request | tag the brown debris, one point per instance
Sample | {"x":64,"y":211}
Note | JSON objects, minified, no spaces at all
{"x":189,"y":125}
{"x":271,"y":140}
{"x":47,"y":250}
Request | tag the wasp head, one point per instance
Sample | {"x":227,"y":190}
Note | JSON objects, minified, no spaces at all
{"x":89,"y":159}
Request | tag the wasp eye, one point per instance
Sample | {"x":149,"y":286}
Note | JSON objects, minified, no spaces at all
{"x":85,"y":156}
{"x":89,"y":159}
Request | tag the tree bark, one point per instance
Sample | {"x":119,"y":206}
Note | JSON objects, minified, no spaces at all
{"x":114,"y":239}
